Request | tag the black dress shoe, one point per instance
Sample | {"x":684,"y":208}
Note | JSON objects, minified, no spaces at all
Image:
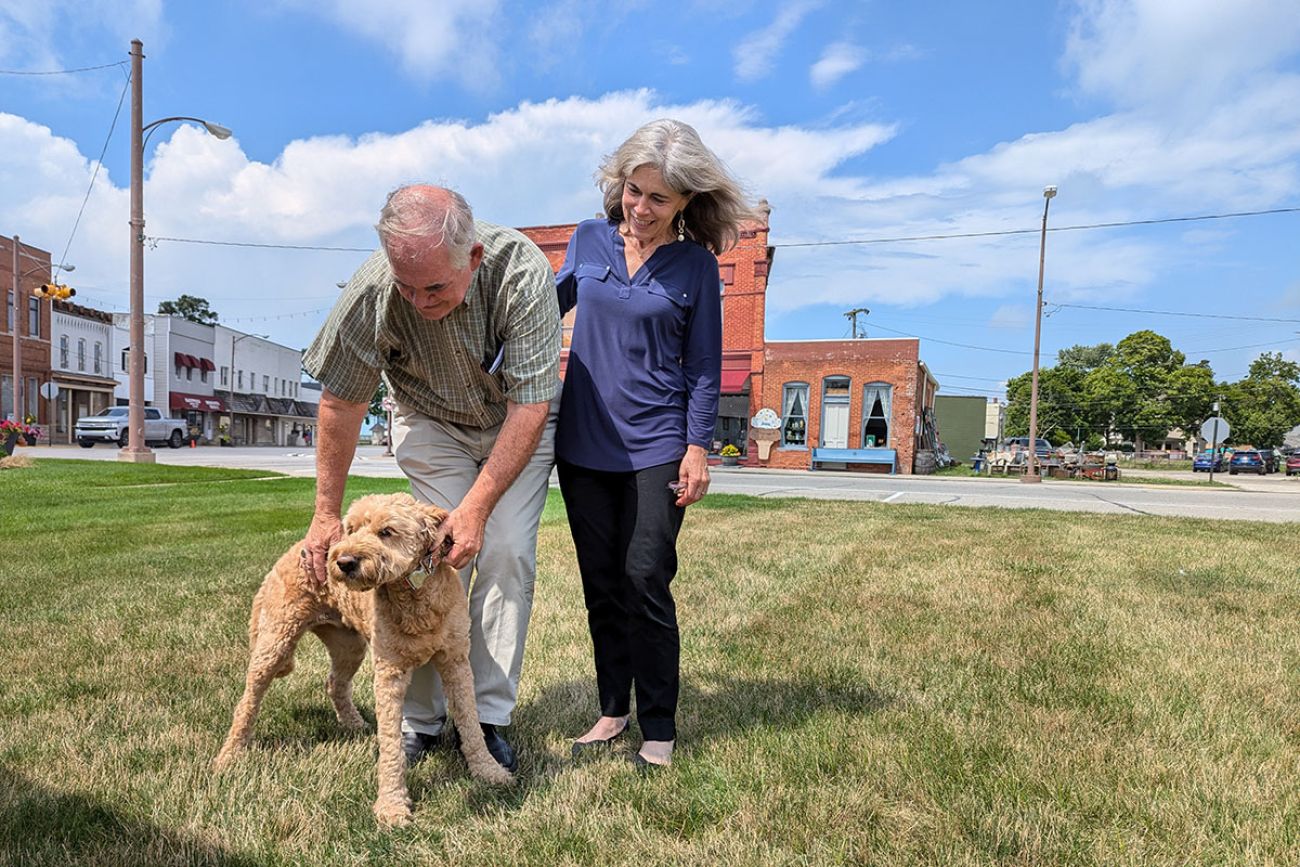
{"x":582,"y":749}
{"x":645,"y":766}
{"x":417,"y":745}
{"x":499,"y":747}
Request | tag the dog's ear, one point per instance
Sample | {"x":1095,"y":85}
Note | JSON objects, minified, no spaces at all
{"x":431,"y":519}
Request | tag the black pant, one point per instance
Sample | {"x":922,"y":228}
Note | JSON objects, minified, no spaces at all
{"x":625,"y":528}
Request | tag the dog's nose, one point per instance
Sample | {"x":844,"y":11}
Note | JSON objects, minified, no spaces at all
{"x":347,"y":563}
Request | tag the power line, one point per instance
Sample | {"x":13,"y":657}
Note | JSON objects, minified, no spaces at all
{"x":62,"y":71}
{"x":950,"y":343}
{"x":1036,"y":230}
{"x":211,"y":243}
{"x":1174,"y":313}
{"x":98,"y":165}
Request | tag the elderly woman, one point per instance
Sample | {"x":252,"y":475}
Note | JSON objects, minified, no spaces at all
{"x":638,"y":410}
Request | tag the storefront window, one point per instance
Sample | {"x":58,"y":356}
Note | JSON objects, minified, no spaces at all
{"x":794,"y":414}
{"x":876,"y":401}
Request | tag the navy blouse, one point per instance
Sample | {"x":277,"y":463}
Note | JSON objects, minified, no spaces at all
{"x":645,"y":358}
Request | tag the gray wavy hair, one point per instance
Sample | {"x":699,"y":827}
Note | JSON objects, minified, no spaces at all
{"x":718,"y":205}
{"x":422,"y":211}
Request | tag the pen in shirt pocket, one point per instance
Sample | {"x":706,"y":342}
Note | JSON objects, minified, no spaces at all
{"x":491,"y":367}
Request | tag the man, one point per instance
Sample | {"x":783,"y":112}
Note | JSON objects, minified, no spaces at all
{"x":460,"y":318}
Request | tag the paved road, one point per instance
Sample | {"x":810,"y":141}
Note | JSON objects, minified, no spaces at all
{"x":1269,"y":498}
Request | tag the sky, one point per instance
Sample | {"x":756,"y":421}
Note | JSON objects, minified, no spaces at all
{"x":857,"y":120}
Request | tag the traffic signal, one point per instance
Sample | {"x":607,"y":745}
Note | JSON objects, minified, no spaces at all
{"x":54,"y":290}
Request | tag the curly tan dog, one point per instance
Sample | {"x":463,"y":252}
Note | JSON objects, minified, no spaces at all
{"x":372,"y":595}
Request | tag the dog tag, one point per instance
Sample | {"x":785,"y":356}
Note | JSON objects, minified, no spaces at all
{"x":416,"y":579}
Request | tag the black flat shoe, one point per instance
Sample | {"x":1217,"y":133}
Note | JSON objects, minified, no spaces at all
{"x":417,"y":745}
{"x":590,"y":748}
{"x":645,"y":766}
{"x":500,"y":748}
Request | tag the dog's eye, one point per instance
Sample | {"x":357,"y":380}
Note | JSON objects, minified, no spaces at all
{"x":384,"y":533}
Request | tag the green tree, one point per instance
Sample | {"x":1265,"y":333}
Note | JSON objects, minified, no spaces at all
{"x":189,"y":307}
{"x":376,"y":410}
{"x":1061,"y":413}
{"x":1085,"y":358}
{"x":1264,"y":405}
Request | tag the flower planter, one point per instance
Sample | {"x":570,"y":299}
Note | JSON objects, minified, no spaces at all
{"x":8,"y":443}
{"x":29,"y":439}
{"x":731,"y":460}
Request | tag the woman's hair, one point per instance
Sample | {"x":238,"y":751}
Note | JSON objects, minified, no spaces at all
{"x":717,"y":205}
{"x":436,"y":213}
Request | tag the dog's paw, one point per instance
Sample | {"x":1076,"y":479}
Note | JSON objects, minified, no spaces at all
{"x":353,"y":721}
{"x":223,"y":760}
{"x":392,"y":814}
{"x":493,"y":773}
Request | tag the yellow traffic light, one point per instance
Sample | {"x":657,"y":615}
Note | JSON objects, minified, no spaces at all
{"x":54,"y":290}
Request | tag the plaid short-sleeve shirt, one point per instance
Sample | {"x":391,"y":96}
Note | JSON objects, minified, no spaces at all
{"x":502,"y":344}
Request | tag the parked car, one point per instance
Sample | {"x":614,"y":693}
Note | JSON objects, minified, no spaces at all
{"x":1043,"y":450}
{"x":1247,"y":461}
{"x":1270,"y":460}
{"x":1205,"y":462}
{"x":112,"y":426}
{"x":1293,"y":464}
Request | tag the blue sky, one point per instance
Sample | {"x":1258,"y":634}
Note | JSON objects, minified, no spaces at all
{"x":856,"y":120}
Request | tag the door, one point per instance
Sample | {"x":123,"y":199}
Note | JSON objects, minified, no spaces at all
{"x":835,"y":426}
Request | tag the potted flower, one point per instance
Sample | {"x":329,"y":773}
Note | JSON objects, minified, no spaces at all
{"x":223,"y":434}
{"x":31,"y":433}
{"x":9,"y":433}
{"x":730,"y":455}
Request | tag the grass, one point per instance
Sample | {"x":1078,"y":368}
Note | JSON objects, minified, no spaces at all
{"x":862,"y":684}
{"x":965,"y":471}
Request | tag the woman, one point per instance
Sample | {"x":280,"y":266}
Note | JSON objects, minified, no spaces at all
{"x":638,"y":410}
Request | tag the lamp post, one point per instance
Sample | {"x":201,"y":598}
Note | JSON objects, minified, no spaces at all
{"x":136,"y":451}
{"x":1032,"y":474}
{"x":14,"y":320}
{"x":233,"y":371}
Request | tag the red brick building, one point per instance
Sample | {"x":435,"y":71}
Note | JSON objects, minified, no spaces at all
{"x":818,"y":388}
{"x":32,"y":330}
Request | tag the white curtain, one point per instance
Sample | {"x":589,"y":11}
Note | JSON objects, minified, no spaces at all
{"x":877,"y":391}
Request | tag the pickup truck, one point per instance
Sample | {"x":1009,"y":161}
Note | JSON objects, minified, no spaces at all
{"x":111,"y":426}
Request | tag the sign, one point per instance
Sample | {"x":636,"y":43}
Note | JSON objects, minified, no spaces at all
{"x":1208,"y":429}
{"x":765,"y":418}
{"x":49,"y":391}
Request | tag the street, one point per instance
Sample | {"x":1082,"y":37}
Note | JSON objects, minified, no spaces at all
{"x":1253,"y":498}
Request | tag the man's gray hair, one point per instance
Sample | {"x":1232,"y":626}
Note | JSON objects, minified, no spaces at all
{"x":420,"y":211}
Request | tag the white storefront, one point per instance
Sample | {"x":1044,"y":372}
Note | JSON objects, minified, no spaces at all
{"x":81,"y":365}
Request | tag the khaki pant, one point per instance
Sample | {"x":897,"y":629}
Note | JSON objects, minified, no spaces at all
{"x":442,"y":461}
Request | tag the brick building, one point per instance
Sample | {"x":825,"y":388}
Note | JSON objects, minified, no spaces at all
{"x":32,"y":330}
{"x":817,"y":387}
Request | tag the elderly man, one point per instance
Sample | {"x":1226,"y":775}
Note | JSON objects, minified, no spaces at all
{"x":460,"y":318}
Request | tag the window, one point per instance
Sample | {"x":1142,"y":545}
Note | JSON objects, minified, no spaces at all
{"x":81,"y":353}
{"x":225,"y":376}
{"x":794,"y":414}
{"x":99,"y":358}
{"x":203,"y":374}
{"x":877,"y":398}
{"x":33,"y":316}
{"x":189,"y":373}
{"x":266,"y":384}
{"x":9,"y":305}
{"x":63,"y":351}
{"x":126,"y":361}
{"x":33,"y":396}
{"x":241,"y":380}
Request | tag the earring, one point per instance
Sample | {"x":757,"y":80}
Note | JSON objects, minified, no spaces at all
{"x":681,"y":226}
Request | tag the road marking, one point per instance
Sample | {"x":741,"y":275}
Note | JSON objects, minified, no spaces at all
{"x":893,"y":496}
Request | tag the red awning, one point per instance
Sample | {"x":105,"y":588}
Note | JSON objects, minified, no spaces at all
{"x":194,"y":362}
{"x":182,"y":359}
{"x":197,"y":402}
{"x":206,"y":364}
{"x":734,"y":381}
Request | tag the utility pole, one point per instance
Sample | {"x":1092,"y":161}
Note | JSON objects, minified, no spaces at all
{"x":1032,"y":471}
{"x":852,"y":316}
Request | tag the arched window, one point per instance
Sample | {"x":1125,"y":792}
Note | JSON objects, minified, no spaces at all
{"x":63,"y":351}
{"x":99,"y":358}
{"x":794,"y":414}
{"x":81,"y":353}
{"x":877,"y":399}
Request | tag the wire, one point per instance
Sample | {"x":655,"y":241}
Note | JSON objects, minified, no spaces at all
{"x":950,"y":343}
{"x":62,"y":71}
{"x":1173,"y":313}
{"x":1004,"y":232}
{"x":262,"y":246}
{"x":98,"y":165}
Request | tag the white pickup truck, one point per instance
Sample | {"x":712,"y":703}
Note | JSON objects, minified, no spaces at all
{"x":111,"y":426}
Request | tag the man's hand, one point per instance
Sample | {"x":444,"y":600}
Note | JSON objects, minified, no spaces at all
{"x":465,"y":529}
{"x":324,"y":531}
{"x":692,"y":476}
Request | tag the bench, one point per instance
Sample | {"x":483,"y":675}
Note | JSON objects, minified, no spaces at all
{"x":855,"y":456}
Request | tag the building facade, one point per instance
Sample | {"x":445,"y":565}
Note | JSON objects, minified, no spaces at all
{"x":825,"y":391}
{"x":82,"y":366}
{"x":30,"y":327}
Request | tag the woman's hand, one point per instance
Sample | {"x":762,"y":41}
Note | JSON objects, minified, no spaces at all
{"x":693,"y":476}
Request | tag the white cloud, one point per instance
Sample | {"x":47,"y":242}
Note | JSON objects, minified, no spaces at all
{"x":448,"y":39}
{"x":756,"y":52}
{"x":35,"y":36}
{"x":837,"y":61}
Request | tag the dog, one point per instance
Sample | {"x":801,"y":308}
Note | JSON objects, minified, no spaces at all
{"x":372,"y":597}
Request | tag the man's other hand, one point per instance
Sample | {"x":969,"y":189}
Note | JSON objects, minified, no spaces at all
{"x":324,"y":531}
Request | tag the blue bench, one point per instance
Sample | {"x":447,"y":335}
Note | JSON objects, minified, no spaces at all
{"x":856,"y":456}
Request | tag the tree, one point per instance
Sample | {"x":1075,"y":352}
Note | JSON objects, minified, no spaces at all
{"x":1264,"y":405}
{"x":376,"y":410}
{"x":1085,"y":358}
{"x":1061,"y":414}
{"x":189,"y":307}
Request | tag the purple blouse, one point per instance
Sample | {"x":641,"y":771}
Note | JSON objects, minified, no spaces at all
{"x":646,"y":354}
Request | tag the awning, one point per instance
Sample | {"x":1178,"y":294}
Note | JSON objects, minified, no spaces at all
{"x":735,"y":381}
{"x":206,"y":364}
{"x":182,"y":360}
{"x":197,"y":402}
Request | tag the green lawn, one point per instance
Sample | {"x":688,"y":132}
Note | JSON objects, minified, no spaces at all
{"x":863,"y":683}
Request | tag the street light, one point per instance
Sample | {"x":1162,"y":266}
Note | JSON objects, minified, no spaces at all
{"x":234,"y":341}
{"x":1032,"y":474}
{"x":14,"y":320}
{"x":136,"y":451}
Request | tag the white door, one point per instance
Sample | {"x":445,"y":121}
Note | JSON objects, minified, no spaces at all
{"x":835,"y":426}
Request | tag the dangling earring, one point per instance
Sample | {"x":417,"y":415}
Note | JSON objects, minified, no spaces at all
{"x":681,"y":226}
